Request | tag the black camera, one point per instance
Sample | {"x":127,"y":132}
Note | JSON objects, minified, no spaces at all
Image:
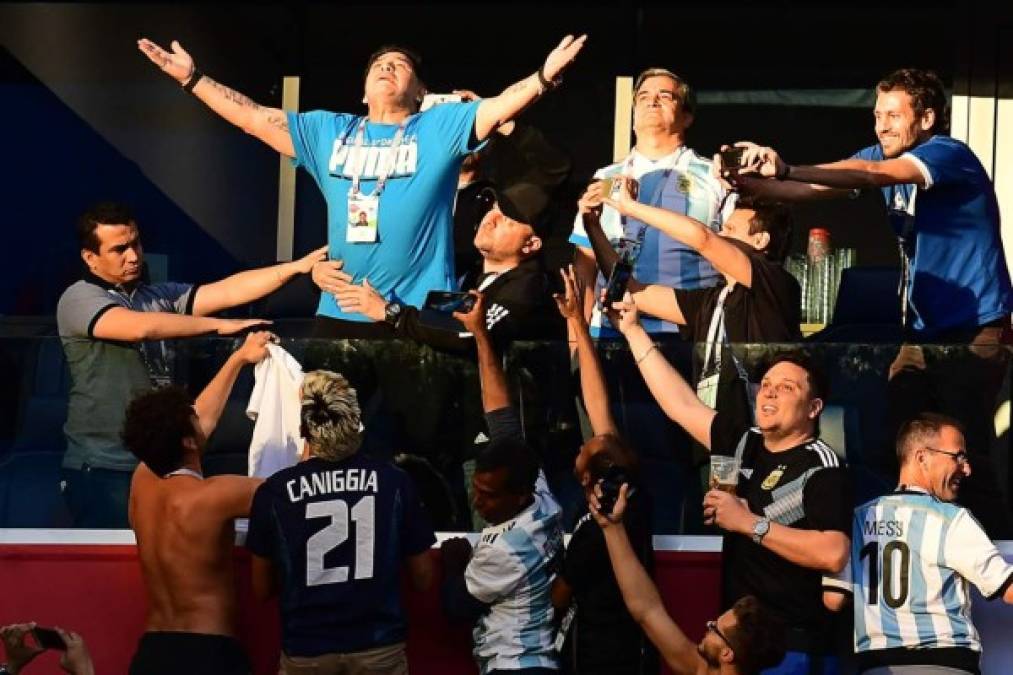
{"x":610,"y":485}
{"x":731,"y":159}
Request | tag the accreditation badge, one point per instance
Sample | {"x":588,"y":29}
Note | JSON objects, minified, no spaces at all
{"x":707,"y":390}
{"x":363,"y":219}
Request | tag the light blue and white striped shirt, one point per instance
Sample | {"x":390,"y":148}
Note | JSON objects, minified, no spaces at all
{"x":689,"y":188}
{"x":913,"y":558}
{"x":512,"y":569}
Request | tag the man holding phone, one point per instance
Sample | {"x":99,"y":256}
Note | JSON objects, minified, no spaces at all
{"x":672,"y":176}
{"x":17,"y":639}
{"x":517,"y":290}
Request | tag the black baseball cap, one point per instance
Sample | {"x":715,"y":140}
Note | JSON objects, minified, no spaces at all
{"x":524,"y":202}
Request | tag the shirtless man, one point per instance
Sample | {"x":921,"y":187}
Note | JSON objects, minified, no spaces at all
{"x":184,"y":526}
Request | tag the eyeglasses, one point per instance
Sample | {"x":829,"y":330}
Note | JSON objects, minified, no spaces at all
{"x":713,"y":627}
{"x":959,"y":457}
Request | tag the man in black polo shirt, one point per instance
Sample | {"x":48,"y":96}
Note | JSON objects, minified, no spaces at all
{"x":113,"y":326}
{"x":757,"y":303}
{"x":791,"y":517}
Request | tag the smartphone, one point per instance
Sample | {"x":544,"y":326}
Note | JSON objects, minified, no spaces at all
{"x":610,"y":187}
{"x":448,"y":302}
{"x":47,"y":638}
{"x":429,"y":100}
{"x":611,"y":485}
{"x":731,"y":159}
{"x":615,"y":289}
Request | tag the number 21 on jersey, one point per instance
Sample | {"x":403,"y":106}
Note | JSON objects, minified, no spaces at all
{"x":335,"y":534}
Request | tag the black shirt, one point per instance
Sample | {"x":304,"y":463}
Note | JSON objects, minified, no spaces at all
{"x":766,"y":311}
{"x":806,"y":487}
{"x":518,"y":305}
{"x":603,"y":637}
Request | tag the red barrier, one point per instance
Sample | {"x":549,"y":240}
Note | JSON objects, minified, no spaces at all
{"x":97,"y":591}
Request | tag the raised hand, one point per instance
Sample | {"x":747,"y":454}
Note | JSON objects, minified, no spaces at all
{"x":474,"y":320}
{"x":560,"y":58}
{"x":254,"y":347}
{"x":570,"y":303}
{"x":177,"y":64}
{"x":626,"y":196}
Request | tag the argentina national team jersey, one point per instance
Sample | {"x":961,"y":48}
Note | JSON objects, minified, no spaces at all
{"x":337,"y":534}
{"x":681,"y":182}
{"x":958,"y":277}
{"x":512,"y":570}
{"x":913,"y":558}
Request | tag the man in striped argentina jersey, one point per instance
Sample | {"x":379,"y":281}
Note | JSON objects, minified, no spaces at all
{"x":914,"y":555}
{"x":504,"y":585}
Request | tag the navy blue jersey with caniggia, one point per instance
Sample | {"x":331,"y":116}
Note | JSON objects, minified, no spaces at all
{"x":337,"y":534}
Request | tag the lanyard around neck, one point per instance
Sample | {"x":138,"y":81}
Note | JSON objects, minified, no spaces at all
{"x":628,"y":171}
{"x":388,"y":166}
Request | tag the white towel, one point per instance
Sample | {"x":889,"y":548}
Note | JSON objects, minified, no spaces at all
{"x":274,"y":407}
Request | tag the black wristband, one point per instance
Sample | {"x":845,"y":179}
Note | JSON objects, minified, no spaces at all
{"x":195,"y":77}
{"x":547,"y":85}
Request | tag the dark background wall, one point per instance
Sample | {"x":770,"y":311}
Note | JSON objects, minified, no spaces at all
{"x":87,"y":117}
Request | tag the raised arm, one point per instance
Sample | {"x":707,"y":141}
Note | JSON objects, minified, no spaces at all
{"x":592,"y":380}
{"x":492,"y":112}
{"x":211,"y":402}
{"x":126,"y":325}
{"x":251,"y":285}
{"x":670,"y":390}
{"x":268,"y":124}
{"x":641,"y":595}
{"x":847,"y":174}
{"x":721,"y":253}
{"x":753,"y":183}
{"x":589,"y":206}
{"x":495,"y":395}
{"x":657,"y":300}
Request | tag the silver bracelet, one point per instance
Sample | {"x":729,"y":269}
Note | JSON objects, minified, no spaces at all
{"x":647,"y":353}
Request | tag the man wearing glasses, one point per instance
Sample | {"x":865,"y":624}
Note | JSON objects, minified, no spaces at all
{"x":913,"y":557}
{"x":745,"y":639}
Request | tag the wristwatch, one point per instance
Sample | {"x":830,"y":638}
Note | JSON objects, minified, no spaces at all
{"x":760,"y":529}
{"x":392,"y":313}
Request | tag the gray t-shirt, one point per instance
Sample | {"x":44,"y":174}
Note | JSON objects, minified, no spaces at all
{"x":105,"y":374}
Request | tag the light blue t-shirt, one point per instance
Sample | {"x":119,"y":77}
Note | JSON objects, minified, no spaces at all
{"x":414,"y":252}
{"x":958,"y":275}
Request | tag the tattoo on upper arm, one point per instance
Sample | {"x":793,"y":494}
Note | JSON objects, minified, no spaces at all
{"x":233,"y":95}
{"x":519,"y":86}
{"x":278,"y":122}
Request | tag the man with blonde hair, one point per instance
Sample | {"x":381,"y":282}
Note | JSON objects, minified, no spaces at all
{"x":329,"y":535}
